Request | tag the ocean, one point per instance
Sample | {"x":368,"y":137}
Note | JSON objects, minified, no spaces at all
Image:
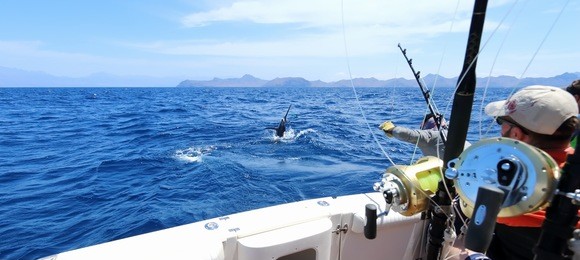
{"x":82,"y":166}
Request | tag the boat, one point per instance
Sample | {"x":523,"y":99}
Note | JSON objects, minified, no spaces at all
{"x":324,"y":228}
{"x":404,"y":218}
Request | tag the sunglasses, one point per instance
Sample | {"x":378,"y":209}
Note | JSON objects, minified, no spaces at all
{"x":501,"y":120}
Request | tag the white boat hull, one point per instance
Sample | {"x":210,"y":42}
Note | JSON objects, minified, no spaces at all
{"x":325,"y":228}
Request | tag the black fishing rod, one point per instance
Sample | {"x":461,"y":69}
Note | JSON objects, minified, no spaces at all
{"x":562,"y":214}
{"x":426,"y":94}
{"x":460,"y":118}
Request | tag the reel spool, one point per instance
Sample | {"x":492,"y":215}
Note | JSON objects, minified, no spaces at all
{"x":407,"y":188}
{"x":527,"y":175}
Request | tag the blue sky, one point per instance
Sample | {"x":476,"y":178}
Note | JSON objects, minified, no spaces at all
{"x":199,"y":39}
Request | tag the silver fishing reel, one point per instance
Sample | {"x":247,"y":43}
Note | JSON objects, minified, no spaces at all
{"x":527,"y":175}
{"x":407,"y":188}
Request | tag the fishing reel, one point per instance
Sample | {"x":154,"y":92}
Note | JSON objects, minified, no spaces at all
{"x":407,"y":189}
{"x":525,"y":174}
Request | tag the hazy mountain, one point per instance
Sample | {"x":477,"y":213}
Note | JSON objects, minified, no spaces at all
{"x":367,"y":82}
{"x":10,"y":77}
{"x":428,"y":81}
{"x":245,"y":81}
{"x":507,"y":81}
{"x":290,"y":82}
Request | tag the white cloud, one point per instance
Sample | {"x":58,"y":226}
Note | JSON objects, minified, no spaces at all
{"x":324,"y":13}
{"x":267,"y":12}
{"x":372,"y":27}
{"x":361,"y":41}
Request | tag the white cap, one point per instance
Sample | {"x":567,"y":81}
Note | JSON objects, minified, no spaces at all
{"x":541,"y":109}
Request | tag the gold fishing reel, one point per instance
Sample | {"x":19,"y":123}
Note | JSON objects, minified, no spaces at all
{"x":407,"y":188}
{"x":527,"y":175}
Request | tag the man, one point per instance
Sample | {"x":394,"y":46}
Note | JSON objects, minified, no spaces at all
{"x":427,"y":137}
{"x":544,"y":117}
{"x":574,"y":89}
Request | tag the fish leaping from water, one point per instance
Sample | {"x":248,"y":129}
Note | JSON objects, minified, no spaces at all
{"x":282,"y":126}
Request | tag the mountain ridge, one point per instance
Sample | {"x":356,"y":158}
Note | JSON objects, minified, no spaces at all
{"x":10,"y":77}
{"x":499,"y":81}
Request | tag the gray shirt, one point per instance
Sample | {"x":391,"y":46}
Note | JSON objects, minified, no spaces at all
{"x":429,"y":141}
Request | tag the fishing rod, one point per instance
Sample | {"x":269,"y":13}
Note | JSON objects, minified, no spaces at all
{"x":460,"y":116}
{"x":562,"y":214}
{"x":426,"y":94}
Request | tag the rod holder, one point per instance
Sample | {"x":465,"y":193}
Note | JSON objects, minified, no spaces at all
{"x":371,"y":222}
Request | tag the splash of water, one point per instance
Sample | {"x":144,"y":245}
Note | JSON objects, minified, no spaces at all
{"x":193,"y":154}
{"x":291,"y":135}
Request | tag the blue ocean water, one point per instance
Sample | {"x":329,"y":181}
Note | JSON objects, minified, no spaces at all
{"x":82,"y":166}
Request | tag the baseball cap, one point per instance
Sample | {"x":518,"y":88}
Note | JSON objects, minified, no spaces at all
{"x":541,"y":109}
{"x":429,"y":124}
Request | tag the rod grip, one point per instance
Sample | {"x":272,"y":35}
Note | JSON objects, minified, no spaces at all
{"x":480,"y":229}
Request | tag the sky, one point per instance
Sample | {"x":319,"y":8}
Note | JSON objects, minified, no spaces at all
{"x":326,"y":40}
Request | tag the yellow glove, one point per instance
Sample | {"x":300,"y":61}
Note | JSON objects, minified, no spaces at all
{"x":387,"y":127}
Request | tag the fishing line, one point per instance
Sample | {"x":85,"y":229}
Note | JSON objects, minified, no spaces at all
{"x":354,"y":89}
{"x":544,"y":40}
{"x":360,"y":106}
{"x":444,"y":48}
{"x":392,"y":95}
{"x":432,"y":91}
{"x":392,"y":101}
{"x":455,"y":206}
{"x":481,"y":49}
{"x":435,"y":105}
{"x":525,"y":70}
{"x":447,"y":190}
{"x":533,"y":56}
{"x":481,"y":107}
{"x":531,"y":60}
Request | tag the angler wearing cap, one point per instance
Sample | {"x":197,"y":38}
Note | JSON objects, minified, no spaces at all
{"x":545,"y":117}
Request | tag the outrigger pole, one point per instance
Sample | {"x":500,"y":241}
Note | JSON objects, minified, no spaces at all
{"x":426,"y":94}
{"x":460,"y":118}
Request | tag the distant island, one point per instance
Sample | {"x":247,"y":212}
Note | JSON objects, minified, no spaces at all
{"x":297,"y":82}
{"x":10,"y":77}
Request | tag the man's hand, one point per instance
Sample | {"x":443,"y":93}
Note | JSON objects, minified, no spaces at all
{"x":387,"y":127}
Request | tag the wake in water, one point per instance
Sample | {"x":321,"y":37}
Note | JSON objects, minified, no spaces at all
{"x":193,"y":154}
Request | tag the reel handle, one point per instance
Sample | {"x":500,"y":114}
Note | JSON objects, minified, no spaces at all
{"x":487,"y":207}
